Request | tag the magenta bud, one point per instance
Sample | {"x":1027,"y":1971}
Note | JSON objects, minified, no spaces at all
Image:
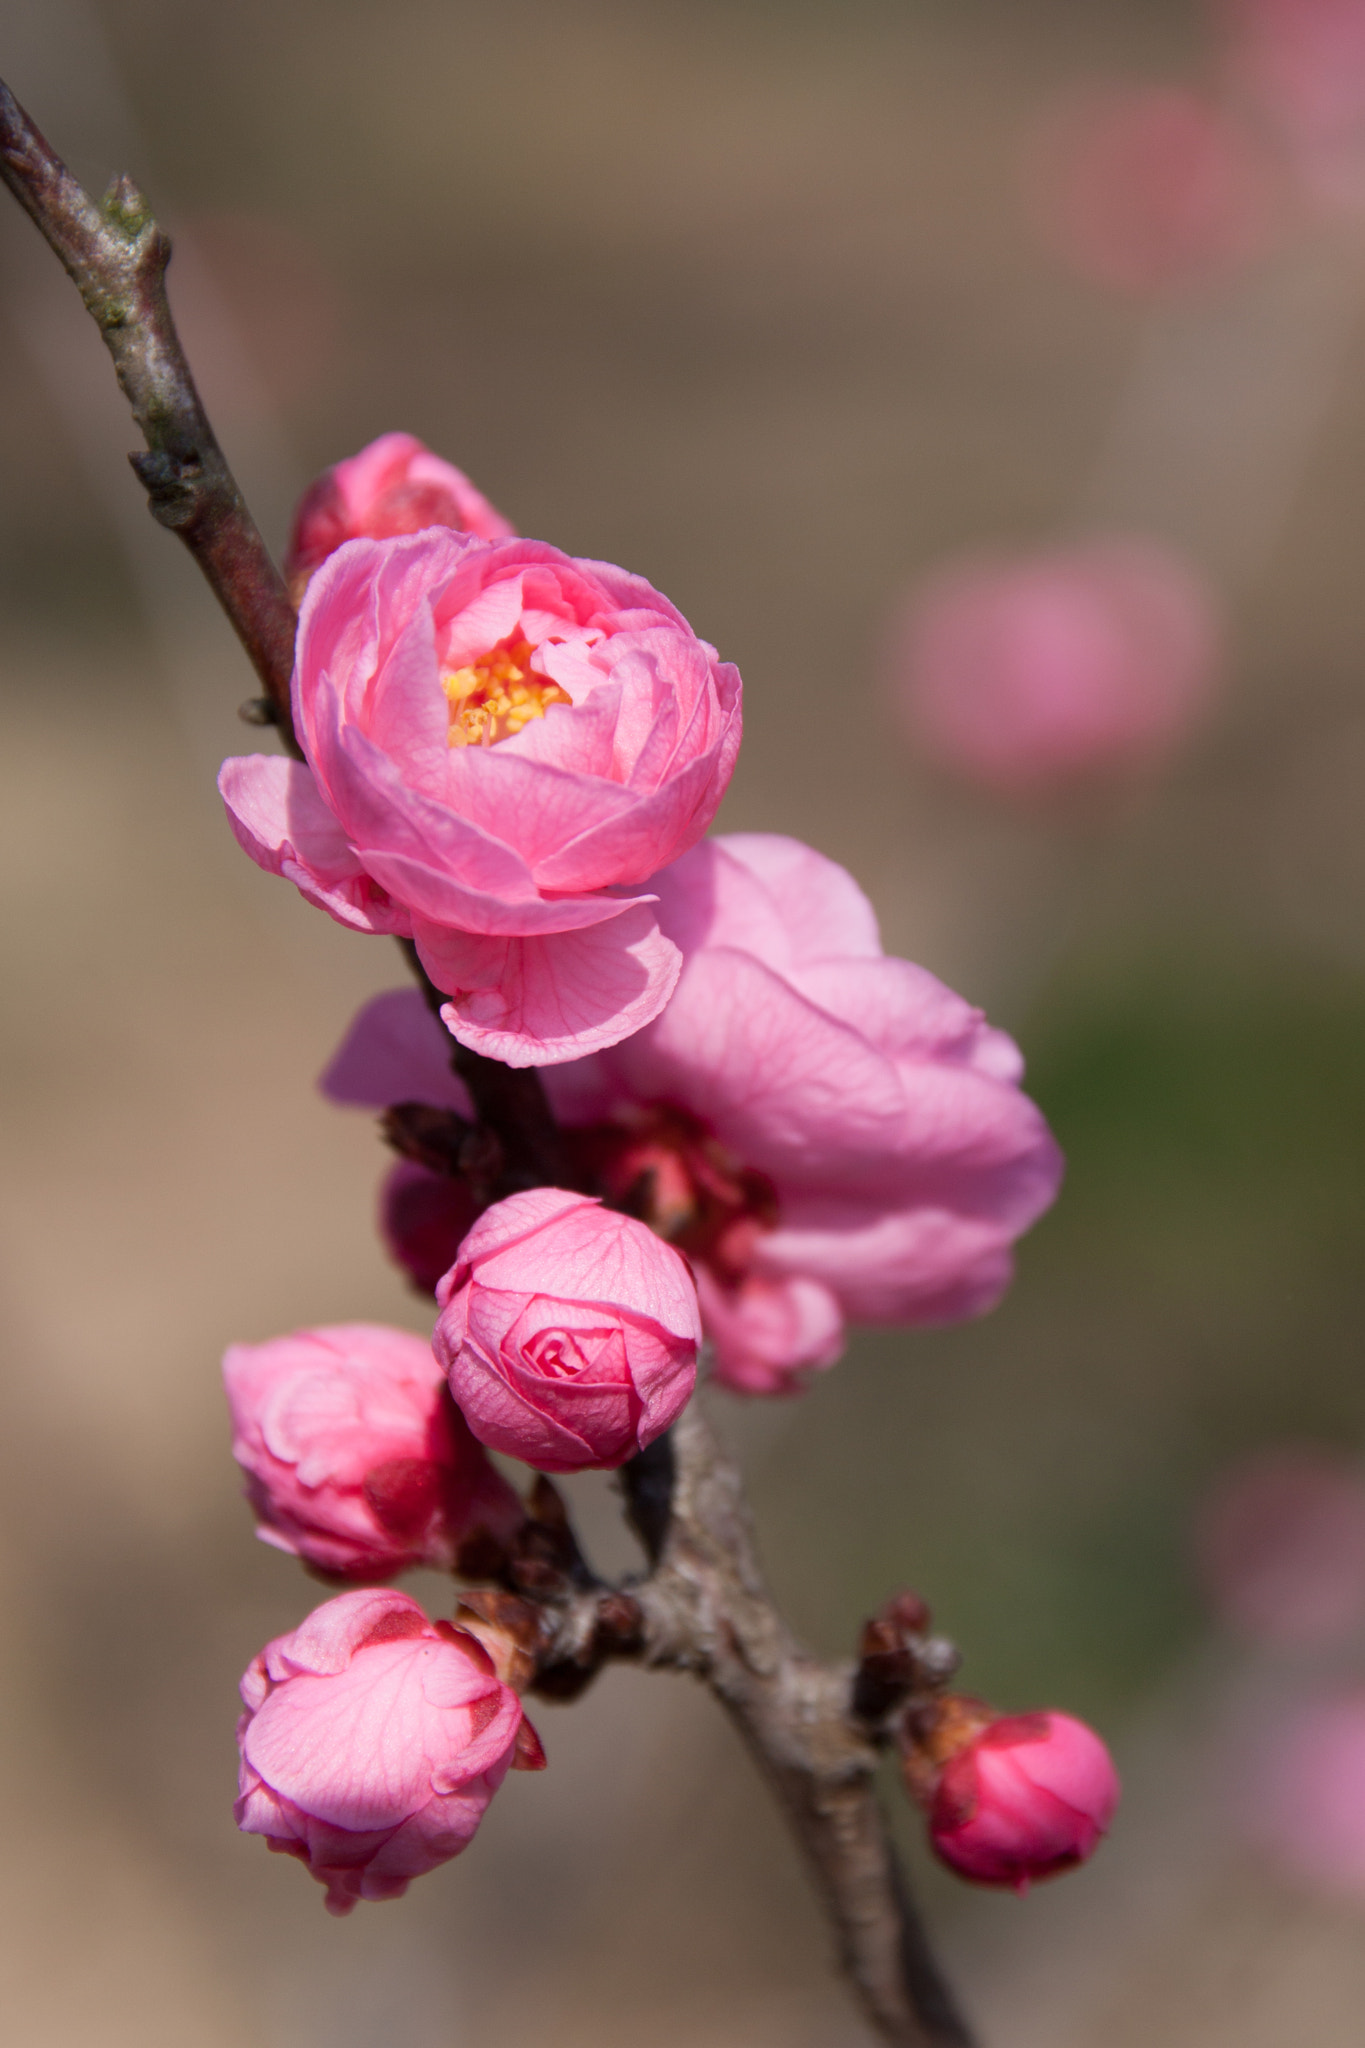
{"x":1011,"y":1798}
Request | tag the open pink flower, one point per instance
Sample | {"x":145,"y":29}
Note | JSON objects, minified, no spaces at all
{"x":1013,"y":1798}
{"x":570,"y":1333}
{"x":501,"y":744}
{"x":372,"y":1743}
{"x":1030,"y":674}
{"x":356,"y":1457}
{"x":828,"y":1134}
{"x":395,"y":485}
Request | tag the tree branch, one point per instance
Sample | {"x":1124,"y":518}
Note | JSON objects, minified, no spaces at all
{"x":117,"y":256}
{"x":704,"y":1607}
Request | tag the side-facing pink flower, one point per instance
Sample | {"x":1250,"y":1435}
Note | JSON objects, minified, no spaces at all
{"x":570,"y":1333}
{"x":829,"y":1135}
{"x":1012,"y":1798}
{"x":394,"y":485}
{"x":372,"y":1742}
{"x":357,"y":1459}
{"x":1031,"y":674}
{"x":1280,"y":1546}
{"x":502,"y":743}
{"x":1152,"y":190}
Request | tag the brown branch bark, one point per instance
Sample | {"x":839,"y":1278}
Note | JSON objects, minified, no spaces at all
{"x":117,"y":256}
{"x":703,"y":1608}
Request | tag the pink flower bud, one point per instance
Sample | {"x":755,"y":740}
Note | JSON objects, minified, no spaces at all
{"x":356,"y":1458}
{"x":1012,"y":1798}
{"x":372,"y":1742}
{"x":395,"y":485}
{"x":1032,"y":674}
{"x":570,"y":1333}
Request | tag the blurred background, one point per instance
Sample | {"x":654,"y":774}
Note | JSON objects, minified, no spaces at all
{"x":786,"y":304}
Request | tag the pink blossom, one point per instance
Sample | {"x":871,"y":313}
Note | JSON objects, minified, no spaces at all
{"x":1301,"y":65}
{"x":570,"y":1333}
{"x":357,"y":1460}
{"x":502,"y":743}
{"x":1028,"y":1797}
{"x":1032,"y":673}
{"x":1305,"y":1796}
{"x":1280,"y":1546}
{"x":1152,"y":189}
{"x":828,"y":1134}
{"x":395,"y":485}
{"x":372,"y":1743}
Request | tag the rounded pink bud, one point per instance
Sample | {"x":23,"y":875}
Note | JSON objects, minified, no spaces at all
{"x":395,"y":485}
{"x":1031,"y":674}
{"x":373,"y":1740}
{"x":570,"y":1333}
{"x":1280,"y":1547}
{"x":1024,"y":1797}
{"x":357,"y":1459}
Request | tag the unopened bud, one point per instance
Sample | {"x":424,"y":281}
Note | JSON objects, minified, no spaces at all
{"x":1011,"y":1798}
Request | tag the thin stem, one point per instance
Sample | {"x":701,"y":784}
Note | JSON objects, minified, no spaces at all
{"x":117,"y":256}
{"x":706,"y":1609}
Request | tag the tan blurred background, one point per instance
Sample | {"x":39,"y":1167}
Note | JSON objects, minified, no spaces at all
{"x":741,"y":295}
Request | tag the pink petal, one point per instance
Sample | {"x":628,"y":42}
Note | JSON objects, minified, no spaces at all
{"x":395,"y":1051}
{"x":819,"y":902}
{"x":279,"y":817}
{"x":537,"y":1001}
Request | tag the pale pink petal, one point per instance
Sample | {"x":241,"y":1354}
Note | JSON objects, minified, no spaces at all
{"x":819,"y":902}
{"x":279,"y":817}
{"x":395,"y":1051}
{"x":769,"y":1335}
{"x":537,"y":1001}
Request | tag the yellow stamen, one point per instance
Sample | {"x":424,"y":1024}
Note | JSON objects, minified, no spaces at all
{"x":497,"y":695}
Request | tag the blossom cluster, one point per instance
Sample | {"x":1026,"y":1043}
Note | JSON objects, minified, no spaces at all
{"x":770,"y":1129}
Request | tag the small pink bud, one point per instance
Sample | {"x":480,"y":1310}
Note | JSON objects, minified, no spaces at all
{"x":356,"y":1458}
{"x":424,"y":1218}
{"x":372,"y":1742}
{"x":569,"y":1332}
{"x":395,"y":485}
{"x":1011,"y":1798}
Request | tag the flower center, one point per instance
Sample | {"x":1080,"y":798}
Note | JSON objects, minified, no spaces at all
{"x":497,"y":695}
{"x":665,"y":1167}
